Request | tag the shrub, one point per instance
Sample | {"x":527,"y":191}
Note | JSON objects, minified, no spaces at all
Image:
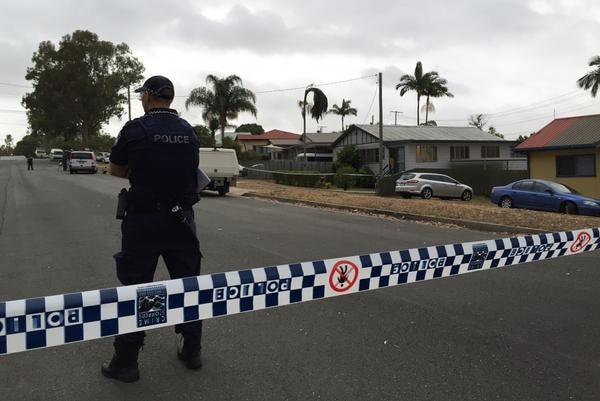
{"x":342,"y":180}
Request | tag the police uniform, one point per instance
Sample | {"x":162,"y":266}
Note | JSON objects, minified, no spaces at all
{"x":161,"y":152}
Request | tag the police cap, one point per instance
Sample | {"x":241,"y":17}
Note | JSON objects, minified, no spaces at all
{"x":158,"y":86}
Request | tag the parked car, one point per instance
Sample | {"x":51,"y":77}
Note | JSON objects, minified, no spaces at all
{"x":544,"y":195}
{"x":55,"y":154}
{"x":80,"y":160}
{"x":221,"y":166}
{"x":103,"y":157}
{"x":427,"y":185}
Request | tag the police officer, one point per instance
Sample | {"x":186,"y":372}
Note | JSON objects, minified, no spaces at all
{"x":29,"y":162}
{"x":158,"y":153}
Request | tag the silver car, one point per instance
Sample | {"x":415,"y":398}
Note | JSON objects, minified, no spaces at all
{"x":427,"y":185}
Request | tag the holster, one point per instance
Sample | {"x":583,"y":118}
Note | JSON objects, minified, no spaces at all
{"x":122,"y":204}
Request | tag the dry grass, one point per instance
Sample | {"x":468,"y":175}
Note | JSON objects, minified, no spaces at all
{"x":479,"y":209}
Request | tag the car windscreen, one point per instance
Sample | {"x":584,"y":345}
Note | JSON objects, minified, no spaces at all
{"x":561,"y":188}
{"x":77,"y":155}
{"x":56,"y":152}
{"x":407,"y":176}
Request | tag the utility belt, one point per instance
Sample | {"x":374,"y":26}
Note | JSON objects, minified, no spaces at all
{"x":126,"y":205}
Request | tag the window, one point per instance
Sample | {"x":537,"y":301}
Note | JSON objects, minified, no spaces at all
{"x":459,"y":152}
{"x":576,"y":166}
{"x":490,"y":151}
{"x":523,"y":185}
{"x":369,"y":155}
{"x":426,"y":153}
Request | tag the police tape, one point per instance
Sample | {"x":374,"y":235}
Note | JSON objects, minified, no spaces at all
{"x":62,"y":319}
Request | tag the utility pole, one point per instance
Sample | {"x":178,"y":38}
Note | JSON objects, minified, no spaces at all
{"x":129,"y":101}
{"x":396,"y":112}
{"x":380,"y":126}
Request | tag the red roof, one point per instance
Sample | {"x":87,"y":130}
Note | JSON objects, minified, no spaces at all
{"x":273,"y":134}
{"x":566,"y":132}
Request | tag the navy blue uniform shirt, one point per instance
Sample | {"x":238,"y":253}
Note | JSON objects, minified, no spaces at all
{"x":161,"y":150}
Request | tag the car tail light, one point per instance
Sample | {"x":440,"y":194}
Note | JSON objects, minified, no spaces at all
{"x":412,"y":181}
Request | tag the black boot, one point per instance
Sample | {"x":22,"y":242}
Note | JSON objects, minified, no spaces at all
{"x":123,"y":366}
{"x":188,"y":350}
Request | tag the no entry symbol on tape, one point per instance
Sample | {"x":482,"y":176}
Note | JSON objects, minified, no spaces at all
{"x":343,"y":276}
{"x":582,"y":240}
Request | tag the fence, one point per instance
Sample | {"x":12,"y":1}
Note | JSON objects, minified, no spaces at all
{"x":262,"y":169}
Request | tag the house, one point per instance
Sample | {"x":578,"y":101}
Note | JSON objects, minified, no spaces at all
{"x":318,"y":146}
{"x":567,"y":150}
{"x":427,"y":147}
{"x":258,"y":143}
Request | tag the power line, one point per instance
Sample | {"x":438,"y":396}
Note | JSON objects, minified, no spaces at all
{"x":371,"y":106}
{"x":305,"y":86}
{"x":16,"y":85}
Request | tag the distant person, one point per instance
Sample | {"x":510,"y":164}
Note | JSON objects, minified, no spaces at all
{"x":158,"y":153}
{"x":65,"y":159}
{"x":29,"y":162}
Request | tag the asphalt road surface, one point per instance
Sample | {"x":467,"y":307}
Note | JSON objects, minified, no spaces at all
{"x":524,"y":333}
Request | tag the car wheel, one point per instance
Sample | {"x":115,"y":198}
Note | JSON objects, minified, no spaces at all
{"x":426,"y":193}
{"x":506,"y":202}
{"x":569,"y":208}
{"x":222,"y":191}
{"x":466,"y":195}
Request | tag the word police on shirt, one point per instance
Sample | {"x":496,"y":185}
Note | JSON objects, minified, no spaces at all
{"x":170,"y":138}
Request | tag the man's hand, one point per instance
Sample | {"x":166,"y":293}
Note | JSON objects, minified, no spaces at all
{"x":118,"y":171}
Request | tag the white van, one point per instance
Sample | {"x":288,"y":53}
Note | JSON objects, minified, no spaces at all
{"x":56,"y":154}
{"x":221,"y":166}
{"x":40,"y":153}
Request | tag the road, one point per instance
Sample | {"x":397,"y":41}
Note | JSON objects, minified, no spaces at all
{"x":524,"y":333}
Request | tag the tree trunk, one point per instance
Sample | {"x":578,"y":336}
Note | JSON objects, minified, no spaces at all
{"x":418,"y":107}
{"x":427,"y":110}
{"x":342,"y":123}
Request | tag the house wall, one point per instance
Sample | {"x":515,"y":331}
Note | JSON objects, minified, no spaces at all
{"x":443,"y":154}
{"x":542,"y":165}
{"x":248,"y":145}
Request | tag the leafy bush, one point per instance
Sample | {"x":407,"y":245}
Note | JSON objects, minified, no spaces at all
{"x":347,"y":156}
{"x":342,"y":180}
{"x":365,"y":182}
{"x":297,"y":180}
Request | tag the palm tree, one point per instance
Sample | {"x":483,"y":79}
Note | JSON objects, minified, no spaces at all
{"x":317,"y":110}
{"x":435,"y":86}
{"x":592,"y":78}
{"x":224,"y":101}
{"x":415,"y":83}
{"x":343,"y":110}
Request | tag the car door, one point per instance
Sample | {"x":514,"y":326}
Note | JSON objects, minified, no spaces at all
{"x":522,"y":194}
{"x":545,"y":199}
{"x":433,"y":181}
{"x":454,"y":189}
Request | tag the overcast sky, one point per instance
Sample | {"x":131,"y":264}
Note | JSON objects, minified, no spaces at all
{"x":516,"y":60}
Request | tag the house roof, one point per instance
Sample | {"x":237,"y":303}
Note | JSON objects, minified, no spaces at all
{"x":285,"y":142}
{"x":273,"y":134}
{"x":569,"y":132}
{"x":399,"y":133}
{"x":325,"y":138}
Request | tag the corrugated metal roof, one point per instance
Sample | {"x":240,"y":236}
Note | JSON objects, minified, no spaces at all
{"x":566,"y":132}
{"x":392,"y":133}
{"x":273,"y":134}
{"x":322,"y":137}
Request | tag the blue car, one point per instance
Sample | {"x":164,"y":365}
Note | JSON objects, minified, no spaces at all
{"x":544,"y":195}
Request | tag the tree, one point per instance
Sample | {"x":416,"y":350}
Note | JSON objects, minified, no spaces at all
{"x":347,"y":156}
{"x":493,"y":131}
{"x":254,"y":129}
{"x":77,"y":86}
{"x":477,"y":121}
{"x":205,"y":137}
{"x":27,"y":145}
{"x":317,"y":110}
{"x":415,"y":83}
{"x":343,"y":110}
{"x":8,"y":144}
{"x":591,"y":80}
{"x":523,"y":138}
{"x":434,"y":86}
{"x":223,"y":101}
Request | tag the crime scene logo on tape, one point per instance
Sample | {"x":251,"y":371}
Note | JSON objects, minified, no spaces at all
{"x":343,"y":276}
{"x":480,"y":252}
{"x":151,"y":305}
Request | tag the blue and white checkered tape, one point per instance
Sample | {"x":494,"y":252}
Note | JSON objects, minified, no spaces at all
{"x":61,"y":319}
